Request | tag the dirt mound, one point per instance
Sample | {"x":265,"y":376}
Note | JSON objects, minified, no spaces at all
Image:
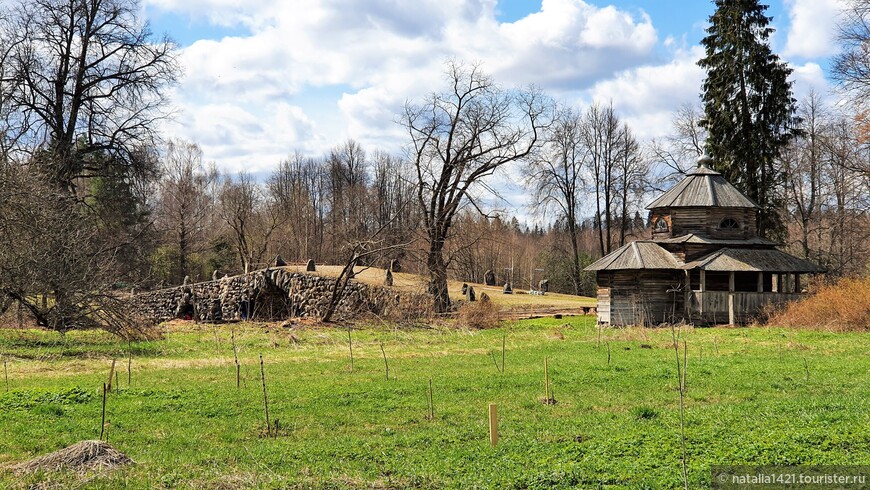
{"x":81,"y":456}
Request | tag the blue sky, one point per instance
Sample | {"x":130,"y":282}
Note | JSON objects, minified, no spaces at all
{"x":265,"y":78}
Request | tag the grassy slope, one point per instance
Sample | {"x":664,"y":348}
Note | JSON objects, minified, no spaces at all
{"x":187,"y":426}
{"x":519,"y":301}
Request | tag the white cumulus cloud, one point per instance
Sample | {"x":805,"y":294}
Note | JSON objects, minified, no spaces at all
{"x":813,"y":27}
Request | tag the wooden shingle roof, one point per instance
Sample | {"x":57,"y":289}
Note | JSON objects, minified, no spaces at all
{"x":636,"y":255}
{"x":753,"y":260}
{"x":703,"y":187}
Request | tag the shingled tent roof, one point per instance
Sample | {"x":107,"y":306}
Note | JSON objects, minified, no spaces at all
{"x":699,"y":239}
{"x":703,"y":187}
{"x":753,"y":260}
{"x":636,"y":255}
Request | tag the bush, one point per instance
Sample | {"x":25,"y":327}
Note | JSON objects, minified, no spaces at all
{"x":479,"y":314}
{"x":841,"y":306}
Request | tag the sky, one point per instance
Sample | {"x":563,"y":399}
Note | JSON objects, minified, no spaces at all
{"x":265,"y":78}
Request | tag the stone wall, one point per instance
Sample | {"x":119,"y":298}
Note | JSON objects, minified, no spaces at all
{"x":273,"y":294}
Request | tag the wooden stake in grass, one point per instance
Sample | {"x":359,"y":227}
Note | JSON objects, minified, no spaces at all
{"x":111,"y":375}
{"x":350,"y":346}
{"x":715,"y":345}
{"x":236,"y":358}
{"x":117,"y":383}
{"x":807,"y":369}
{"x":103,"y":416}
{"x":5,"y":372}
{"x":430,"y":403}
{"x":598,"y":342}
{"x":265,"y":398}
{"x":685,"y":364}
{"x":493,"y":425}
{"x":681,"y":383}
{"x":546,"y":383}
{"x":129,"y":364}
{"x":386,"y":366}
{"x":608,"y":353}
{"x":502,"y":352}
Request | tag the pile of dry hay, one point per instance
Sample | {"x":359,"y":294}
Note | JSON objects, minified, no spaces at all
{"x":81,"y":456}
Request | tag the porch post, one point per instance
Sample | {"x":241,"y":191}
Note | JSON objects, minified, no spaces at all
{"x":797,"y":282}
{"x":687,"y":300}
{"x":776,"y":279}
{"x":702,"y":288}
{"x":731,"y":298}
{"x":761,"y":282}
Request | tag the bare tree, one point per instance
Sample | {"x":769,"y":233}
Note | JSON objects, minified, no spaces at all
{"x":555,"y":176}
{"x":185,"y":205}
{"x":803,"y":165}
{"x":88,"y":80}
{"x":251,"y":218}
{"x":631,"y":182}
{"x":457,"y":139}
{"x":52,"y":263}
{"x":675,"y":154}
{"x":852,"y":66}
{"x":601,"y":136}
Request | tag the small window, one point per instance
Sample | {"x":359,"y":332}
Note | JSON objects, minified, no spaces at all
{"x":729,"y":224}
{"x":660,"y":225}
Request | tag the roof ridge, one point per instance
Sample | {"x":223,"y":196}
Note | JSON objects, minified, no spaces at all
{"x":714,"y":198}
{"x":639,"y":256}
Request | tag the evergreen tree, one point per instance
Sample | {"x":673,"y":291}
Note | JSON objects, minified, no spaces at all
{"x":749,"y":110}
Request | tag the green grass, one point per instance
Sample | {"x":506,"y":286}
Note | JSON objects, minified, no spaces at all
{"x":615,"y":426}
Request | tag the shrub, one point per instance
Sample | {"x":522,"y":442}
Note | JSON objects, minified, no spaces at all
{"x":844,"y":305}
{"x":479,"y":314}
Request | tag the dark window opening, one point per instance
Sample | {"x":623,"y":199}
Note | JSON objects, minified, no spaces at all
{"x":661,"y":225}
{"x":729,"y":224}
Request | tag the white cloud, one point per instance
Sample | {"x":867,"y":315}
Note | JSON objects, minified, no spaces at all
{"x":373,"y":55}
{"x":812,"y":33}
{"x":647,"y":96}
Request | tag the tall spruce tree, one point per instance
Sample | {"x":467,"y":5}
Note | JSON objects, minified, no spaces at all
{"x":749,"y":110}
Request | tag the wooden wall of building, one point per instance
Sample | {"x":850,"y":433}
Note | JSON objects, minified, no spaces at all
{"x":639,"y":297}
{"x":705,"y":221}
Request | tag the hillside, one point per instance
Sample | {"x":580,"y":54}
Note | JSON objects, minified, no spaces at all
{"x":519,"y":302}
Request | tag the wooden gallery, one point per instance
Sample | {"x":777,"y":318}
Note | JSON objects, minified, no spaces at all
{"x":704,"y":264}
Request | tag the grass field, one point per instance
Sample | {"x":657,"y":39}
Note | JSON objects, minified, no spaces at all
{"x":755,"y":396}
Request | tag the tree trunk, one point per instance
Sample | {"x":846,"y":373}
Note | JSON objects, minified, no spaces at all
{"x":438,"y":276}
{"x":575,"y":263}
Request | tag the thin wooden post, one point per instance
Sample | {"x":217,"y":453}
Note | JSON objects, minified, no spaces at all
{"x":731,"y":313}
{"x":350,"y":346}
{"x":608,"y":353}
{"x":111,"y":375}
{"x":797,"y":282}
{"x":103,"y":416}
{"x":546,"y":383}
{"x":236,"y":358}
{"x":760,"y":282}
{"x":431,"y":402}
{"x":386,"y":366}
{"x":493,"y":425}
{"x":265,"y":398}
{"x":502,"y":352}
{"x":702,"y":289}
{"x":5,"y":372}
{"x":129,"y":363}
{"x":687,"y":299}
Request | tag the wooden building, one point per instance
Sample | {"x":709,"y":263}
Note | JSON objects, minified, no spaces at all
{"x":704,"y":264}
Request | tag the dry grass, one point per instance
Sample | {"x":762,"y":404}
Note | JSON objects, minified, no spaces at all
{"x":519,"y":301}
{"x":81,"y":457}
{"x":842,"y":306}
{"x":479,"y":315}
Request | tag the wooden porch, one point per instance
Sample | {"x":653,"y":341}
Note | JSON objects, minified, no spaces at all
{"x":734,"y":307}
